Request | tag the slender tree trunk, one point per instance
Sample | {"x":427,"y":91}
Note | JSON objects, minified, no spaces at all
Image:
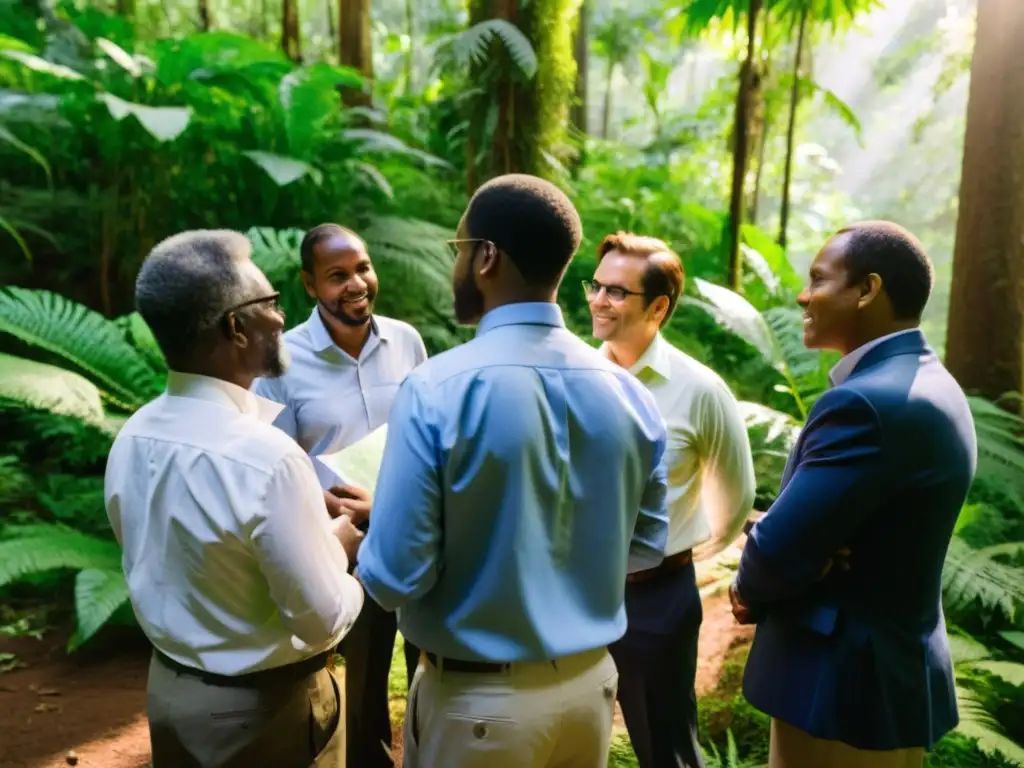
{"x":291,"y":40}
{"x":578,"y":114}
{"x":740,"y":148}
{"x":205,"y":16}
{"x":794,"y":102}
{"x":355,"y":48}
{"x":762,"y":150}
{"x":332,"y":28}
{"x":606,"y":115}
{"x":985,"y":335}
{"x":410,"y":54}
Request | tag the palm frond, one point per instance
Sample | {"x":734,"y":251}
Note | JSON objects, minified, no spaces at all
{"x":32,"y":549}
{"x":88,"y":341}
{"x":472,"y":45}
{"x":139,"y":335}
{"x":98,"y":594}
{"x":46,"y":387}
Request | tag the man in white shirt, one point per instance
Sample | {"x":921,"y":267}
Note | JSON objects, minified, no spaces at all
{"x":710,"y":492}
{"x":346,"y":365}
{"x":237,"y":574}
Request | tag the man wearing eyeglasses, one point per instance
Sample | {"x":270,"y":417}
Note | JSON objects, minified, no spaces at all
{"x":710,"y":492}
{"x":347,"y":363}
{"x":236,"y":575}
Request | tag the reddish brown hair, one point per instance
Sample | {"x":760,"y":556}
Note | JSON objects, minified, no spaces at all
{"x":663,"y":275}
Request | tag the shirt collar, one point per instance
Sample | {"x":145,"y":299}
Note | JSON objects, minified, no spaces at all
{"x":222,"y":393}
{"x":522,"y":313}
{"x":655,"y":358}
{"x":321,"y":338}
{"x":841,"y":371}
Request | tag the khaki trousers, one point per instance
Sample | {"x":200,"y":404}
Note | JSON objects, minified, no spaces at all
{"x":281,"y":724}
{"x":553,"y":714}
{"x":794,"y":748}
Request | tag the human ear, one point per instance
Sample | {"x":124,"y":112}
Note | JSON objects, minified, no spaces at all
{"x":307,"y":283}
{"x":234,"y":328}
{"x":869,"y":290}
{"x":487,"y":264}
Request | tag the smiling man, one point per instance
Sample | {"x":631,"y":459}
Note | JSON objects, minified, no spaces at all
{"x":853,"y":664}
{"x":347,"y":363}
{"x":710,"y":492}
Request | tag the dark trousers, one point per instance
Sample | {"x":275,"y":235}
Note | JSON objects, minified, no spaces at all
{"x":657,"y":663}
{"x":367,"y":649}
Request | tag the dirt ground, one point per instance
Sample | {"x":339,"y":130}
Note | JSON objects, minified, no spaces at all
{"x":93,"y":703}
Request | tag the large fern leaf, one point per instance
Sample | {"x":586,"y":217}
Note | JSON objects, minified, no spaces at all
{"x":32,"y":549}
{"x":140,"y":336}
{"x":472,"y":45}
{"x":1000,"y":449}
{"x":49,"y":388}
{"x":415,"y":246}
{"x":92,"y":344}
{"x":974,"y":577}
{"x":98,"y":594}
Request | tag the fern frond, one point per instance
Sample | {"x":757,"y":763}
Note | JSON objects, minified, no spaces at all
{"x":473,"y":44}
{"x":87,"y":340}
{"x":31,"y":549}
{"x":807,"y":367}
{"x":276,"y":253}
{"x":139,"y":335}
{"x":46,"y":387}
{"x":976,"y":722}
{"x":974,"y":576}
{"x":98,"y":594}
{"x":1000,"y":448}
{"x":414,"y":246}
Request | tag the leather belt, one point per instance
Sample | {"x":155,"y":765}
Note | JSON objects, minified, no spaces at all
{"x":261,"y":678}
{"x":670,"y":563}
{"x":445,"y":664}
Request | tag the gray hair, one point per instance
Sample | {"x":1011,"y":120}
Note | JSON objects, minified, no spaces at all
{"x":188,"y":282}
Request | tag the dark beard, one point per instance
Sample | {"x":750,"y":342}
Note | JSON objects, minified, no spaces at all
{"x":469,"y":301}
{"x":338,"y":312}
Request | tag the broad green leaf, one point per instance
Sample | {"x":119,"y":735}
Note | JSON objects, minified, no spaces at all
{"x":376,"y":176}
{"x":162,"y":123}
{"x":284,"y":170}
{"x":33,"y":549}
{"x":1007,"y":671}
{"x":1015,"y":638}
{"x":37,"y":64}
{"x":8,"y":43}
{"x":739,"y":316}
{"x":119,"y":56}
{"x":378,"y":142}
{"x":98,"y":594}
{"x":49,"y":388}
{"x":309,"y":97}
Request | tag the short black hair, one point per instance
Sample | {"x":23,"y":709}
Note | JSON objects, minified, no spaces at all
{"x":895,"y":255}
{"x":531,"y":220}
{"x":317,"y":235}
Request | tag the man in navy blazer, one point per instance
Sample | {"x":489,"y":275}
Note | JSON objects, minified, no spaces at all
{"x":853,"y":663}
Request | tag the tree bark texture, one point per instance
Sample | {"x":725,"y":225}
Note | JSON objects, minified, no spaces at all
{"x":355,"y":47}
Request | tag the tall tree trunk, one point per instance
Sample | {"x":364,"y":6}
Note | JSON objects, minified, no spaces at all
{"x":410,"y":54}
{"x":355,"y":48}
{"x":739,"y":152}
{"x":205,"y":16}
{"x":291,"y":39}
{"x":985,"y":335}
{"x":606,"y":112}
{"x":332,"y":28}
{"x":762,"y":150}
{"x":578,"y":114}
{"x":794,"y":102}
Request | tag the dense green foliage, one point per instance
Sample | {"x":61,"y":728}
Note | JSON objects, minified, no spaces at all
{"x":117,"y":133}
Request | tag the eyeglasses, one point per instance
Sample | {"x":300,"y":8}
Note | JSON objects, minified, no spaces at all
{"x":272,"y":299}
{"x":454,"y":244}
{"x":616,"y":293}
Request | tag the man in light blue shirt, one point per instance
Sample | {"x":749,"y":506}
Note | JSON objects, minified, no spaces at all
{"x":522,"y":479}
{"x":346,"y":365}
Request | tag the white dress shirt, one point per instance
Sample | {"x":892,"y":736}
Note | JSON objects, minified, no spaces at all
{"x":841,"y":371}
{"x":228,"y":553}
{"x":711,"y":482}
{"x":332,"y":399}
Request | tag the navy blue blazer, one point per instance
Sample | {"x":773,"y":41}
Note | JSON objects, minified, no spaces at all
{"x":882,"y":466}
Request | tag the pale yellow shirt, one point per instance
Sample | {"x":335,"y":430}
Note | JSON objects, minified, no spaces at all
{"x":711,"y":482}
{"x":227,"y":549}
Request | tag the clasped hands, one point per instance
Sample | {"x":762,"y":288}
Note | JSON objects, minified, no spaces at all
{"x":349,"y":507}
{"x":741,"y":611}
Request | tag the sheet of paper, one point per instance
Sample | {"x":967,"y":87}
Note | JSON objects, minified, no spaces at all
{"x":356,"y":464}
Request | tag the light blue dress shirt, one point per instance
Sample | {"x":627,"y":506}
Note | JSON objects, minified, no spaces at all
{"x":332,"y":399}
{"x":523,"y":477}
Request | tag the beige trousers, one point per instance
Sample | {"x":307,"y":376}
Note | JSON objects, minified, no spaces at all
{"x":285,"y":724}
{"x":554,"y":714}
{"x":794,"y":748}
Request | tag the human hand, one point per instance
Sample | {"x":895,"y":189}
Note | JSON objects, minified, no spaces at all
{"x":352,"y":501}
{"x":740,"y":610}
{"x":349,"y":536}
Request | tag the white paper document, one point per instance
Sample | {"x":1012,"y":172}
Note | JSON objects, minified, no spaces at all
{"x":357,"y":464}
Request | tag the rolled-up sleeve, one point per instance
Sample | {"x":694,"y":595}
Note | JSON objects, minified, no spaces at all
{"x":399,"y":559}
{"x":302,"y":560}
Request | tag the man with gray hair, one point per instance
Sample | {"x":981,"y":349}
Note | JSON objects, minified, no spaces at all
{"x":237,"y":574}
